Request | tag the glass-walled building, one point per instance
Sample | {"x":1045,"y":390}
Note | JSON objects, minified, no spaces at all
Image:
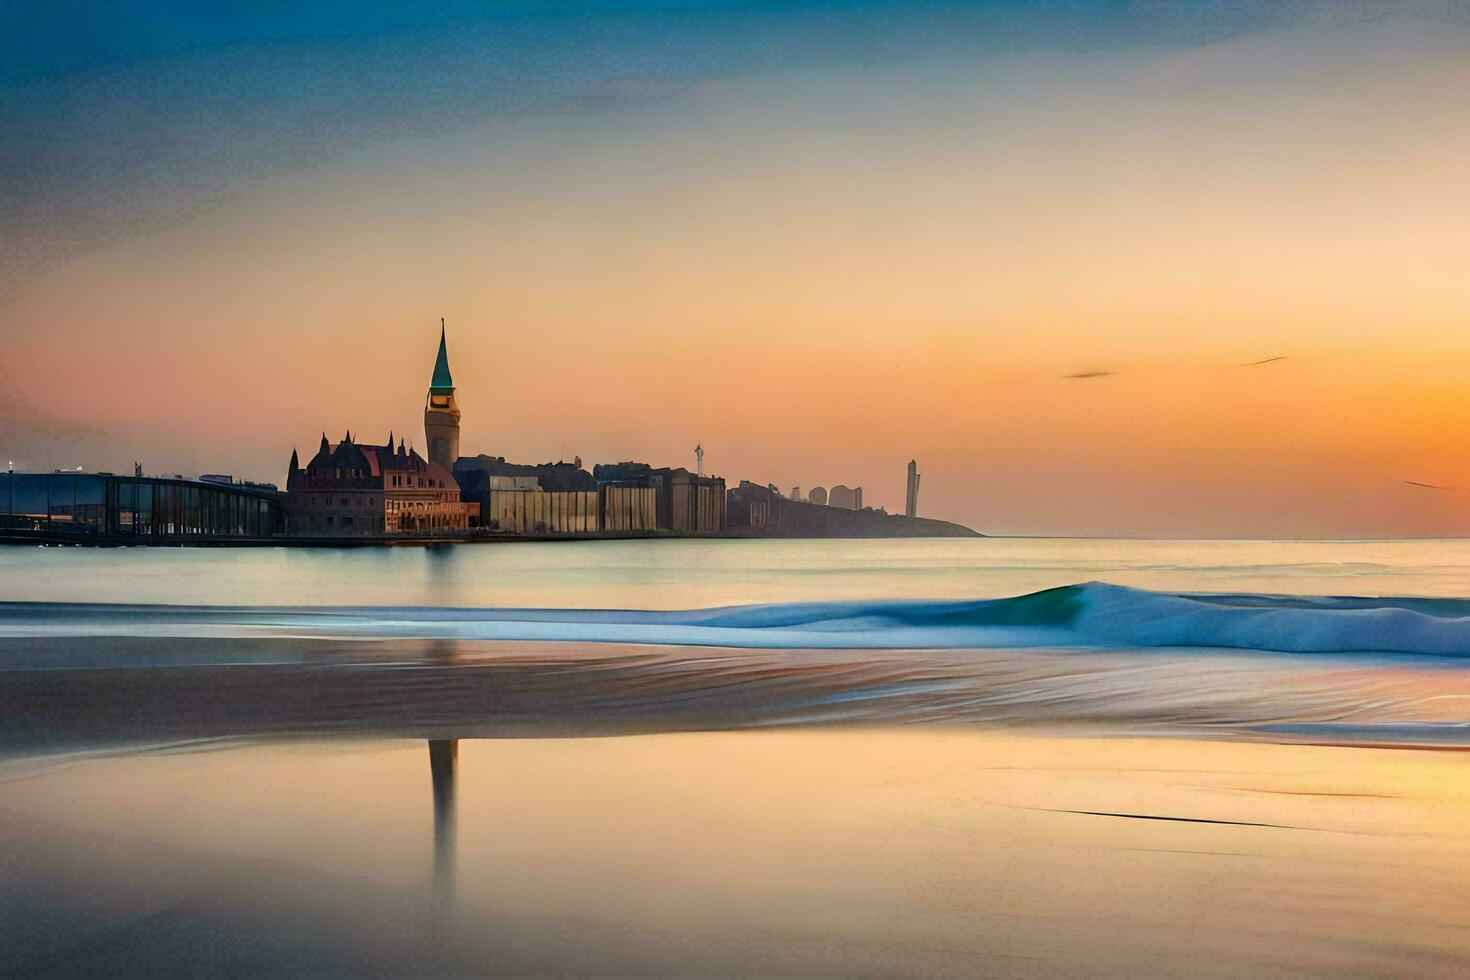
{"x":106,"y":509}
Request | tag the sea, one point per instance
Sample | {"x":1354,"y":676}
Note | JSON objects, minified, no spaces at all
{"x":991,"y":756}
{"x":1350,"y":640}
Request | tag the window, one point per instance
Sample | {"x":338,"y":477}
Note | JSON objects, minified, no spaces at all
{"x":344,"y":501}
{"x":346,"y":520}
{"x":331,"y":520}
{"x":63,"y":498}
{"x":30,"y":493}
{"x":126,"y":506}
{"x":144,"y":519}
{"x":90,"y":509}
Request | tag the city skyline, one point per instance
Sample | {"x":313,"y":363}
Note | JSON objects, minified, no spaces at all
{"x":1103,"y":277}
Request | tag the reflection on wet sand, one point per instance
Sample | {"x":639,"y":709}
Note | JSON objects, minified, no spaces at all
{"x":81,"y":693}
{"x":853,"y":851}
{"x":443,"y":770}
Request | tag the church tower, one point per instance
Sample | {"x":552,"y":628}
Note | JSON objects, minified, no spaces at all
{"x":441,"y":412}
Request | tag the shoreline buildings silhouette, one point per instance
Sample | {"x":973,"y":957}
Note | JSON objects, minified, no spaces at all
{"x":356,"y":492}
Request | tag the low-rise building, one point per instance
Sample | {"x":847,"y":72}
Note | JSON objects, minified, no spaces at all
{"x":537,"y":511}
{"x":104,"y":508}
{"x":751,"y":505}
{"x":759,"y":511}
{"x":516,"y":498}
{"x":356,"y":489}
{"x":684,"y":501}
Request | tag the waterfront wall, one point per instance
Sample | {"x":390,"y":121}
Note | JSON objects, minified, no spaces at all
{"x":629,"y":508}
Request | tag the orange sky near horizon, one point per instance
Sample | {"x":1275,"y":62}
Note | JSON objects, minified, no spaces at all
{"x":819,"y":274}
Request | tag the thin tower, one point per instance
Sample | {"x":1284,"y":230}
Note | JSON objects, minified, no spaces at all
{"x":699,"y":459}
{"x":911,"y":504}
{"x":441,"y":411}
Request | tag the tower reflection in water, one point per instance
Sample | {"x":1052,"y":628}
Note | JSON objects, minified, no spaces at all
{"x":444,"y":766}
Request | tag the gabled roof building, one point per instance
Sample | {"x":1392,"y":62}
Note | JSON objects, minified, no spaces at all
{"x":354,"y":489}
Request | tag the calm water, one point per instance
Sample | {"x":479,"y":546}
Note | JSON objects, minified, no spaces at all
{"x":889,"y":757}
{"x":695,"y":574}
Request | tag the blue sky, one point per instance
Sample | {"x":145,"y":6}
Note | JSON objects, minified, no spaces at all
{"x":123,"y":117}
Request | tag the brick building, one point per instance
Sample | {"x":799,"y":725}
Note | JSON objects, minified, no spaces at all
{"x":354,"y":489}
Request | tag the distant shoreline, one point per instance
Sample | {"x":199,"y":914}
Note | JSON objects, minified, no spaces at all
{"x":891,"y":526}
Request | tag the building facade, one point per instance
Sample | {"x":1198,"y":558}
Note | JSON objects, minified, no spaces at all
{"x":103,"y":508}
{"x":354,"y":489}
{"x":684,"y":502}
{"x":752,"y":506}
{"x":627,"y":507}
{"x":519,"y":498}
{"x":521,"y":511}
{"x":696,"y":503}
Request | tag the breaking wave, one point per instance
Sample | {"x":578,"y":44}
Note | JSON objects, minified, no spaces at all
{"x":1091,"y":615}
{"x":1337,"y":670}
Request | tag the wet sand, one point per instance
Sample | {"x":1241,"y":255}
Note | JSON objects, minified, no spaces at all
{"x":79,"y":693}
{"x":886,"y":850}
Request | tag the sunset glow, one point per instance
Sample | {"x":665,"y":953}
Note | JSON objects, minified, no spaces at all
{"x":815,"y":266}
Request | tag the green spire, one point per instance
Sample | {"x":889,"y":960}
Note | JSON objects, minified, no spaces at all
{"x":441,"y":383}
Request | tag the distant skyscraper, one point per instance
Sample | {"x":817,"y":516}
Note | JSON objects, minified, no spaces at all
{"x":818,"y":495}
{"x":845,"y":497}
{"x":911,"y":505}
{"x":441,"y":412}
{"x":796,"y":493}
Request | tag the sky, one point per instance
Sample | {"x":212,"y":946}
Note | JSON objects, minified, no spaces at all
{"x":1112,"y":268}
